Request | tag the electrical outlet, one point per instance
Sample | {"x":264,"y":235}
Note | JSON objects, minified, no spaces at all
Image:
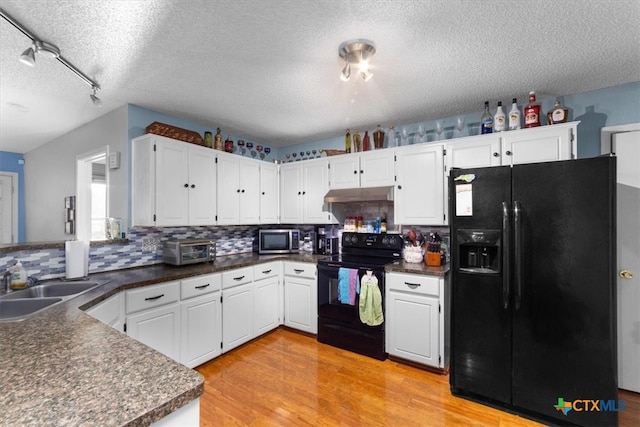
{"x":150,"y":244}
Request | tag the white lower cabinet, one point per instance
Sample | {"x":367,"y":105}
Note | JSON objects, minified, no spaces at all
{"x":266,"y":297}
{"x":301,"y":296}
{"x":237,"y":307}
{"x":201,"y":319}
{"x":415,"y":318}
{"x":110,"y":311}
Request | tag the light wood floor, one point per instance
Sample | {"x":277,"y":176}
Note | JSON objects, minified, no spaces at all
{"x":289,"y":379}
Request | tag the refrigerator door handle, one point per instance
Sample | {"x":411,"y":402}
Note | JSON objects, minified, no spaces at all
{"x":517,"y":242}
{"x":506,"y":227}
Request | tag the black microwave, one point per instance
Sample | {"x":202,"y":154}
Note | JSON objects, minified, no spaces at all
{"x":282,"y":241}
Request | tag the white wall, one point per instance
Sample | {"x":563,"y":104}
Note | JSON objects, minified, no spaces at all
{"x":50,"y":175}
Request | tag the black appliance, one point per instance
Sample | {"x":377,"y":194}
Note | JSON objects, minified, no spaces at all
{"x":533,"y":320}
{"x":339,"y":323}
{"x":326,"y":245}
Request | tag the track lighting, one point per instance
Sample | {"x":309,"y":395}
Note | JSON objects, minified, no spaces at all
{"x":356,"y":52}
{"x":49,"y":50}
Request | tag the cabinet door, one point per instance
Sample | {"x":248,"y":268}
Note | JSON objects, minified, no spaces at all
{"x":412,"y":330}
{"x":237,"y":316}
{"x":249,"y":191}
{"x":202,"y":187}
{"x":316,"y":185}
{"x":266,"y":305}
{"x":172,"y":183}
{"x":159,"y":328}
{"x":228,"y":189}
{"x":377,"y":169}
{"x":544,"y":144}
{"x":473,"y":152}
{"x":344,"y":171}
{"x":291,"y":199}
{"x":201,"y":329}
{"x":269,"y":190}
{"x":419,"y":191}
{"x":301,"y":304}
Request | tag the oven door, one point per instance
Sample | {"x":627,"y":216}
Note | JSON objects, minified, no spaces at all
{"x":339,"y":321}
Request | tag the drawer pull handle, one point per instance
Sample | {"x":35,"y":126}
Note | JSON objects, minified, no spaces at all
{"x":298,"y":271}
{"x":266,"y":271}
{"x":154,"y":298}
{"x":203,"y":286}
{"x":238,"y":278}
{"x":411,"y":284}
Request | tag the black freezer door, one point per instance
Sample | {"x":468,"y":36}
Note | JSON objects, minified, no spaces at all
{"x":564,"y":305}
{"x":480,"y":323}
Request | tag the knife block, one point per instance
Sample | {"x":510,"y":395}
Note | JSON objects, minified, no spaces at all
{"x":432,"y":259}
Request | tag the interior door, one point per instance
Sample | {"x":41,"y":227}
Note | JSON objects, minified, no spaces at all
{"x":7,"y":209}
{"x":627,"y":148}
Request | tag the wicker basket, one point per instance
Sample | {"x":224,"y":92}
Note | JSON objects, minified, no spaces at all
{"x":174,"y":132}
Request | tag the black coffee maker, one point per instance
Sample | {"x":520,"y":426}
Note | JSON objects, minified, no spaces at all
{"x":326,"y":243}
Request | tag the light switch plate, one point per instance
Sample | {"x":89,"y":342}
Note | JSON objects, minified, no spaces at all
{"x":114,"y":160}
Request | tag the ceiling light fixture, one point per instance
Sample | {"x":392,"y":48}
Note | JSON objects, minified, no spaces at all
{"x":49,"y":50}
{"x":357,"y":52}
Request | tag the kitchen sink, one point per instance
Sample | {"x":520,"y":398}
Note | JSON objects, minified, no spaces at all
{"x":53,"y":289}
{"x":16,"y":309}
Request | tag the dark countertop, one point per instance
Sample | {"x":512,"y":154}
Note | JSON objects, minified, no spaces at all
{"x":417,"y":268}
{"x":62,"y":367}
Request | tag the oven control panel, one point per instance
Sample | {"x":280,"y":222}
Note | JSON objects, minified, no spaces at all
{"x":374,"y":241}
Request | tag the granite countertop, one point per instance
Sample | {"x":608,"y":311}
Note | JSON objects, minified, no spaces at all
{"x":62,"y":367}
{"x":417,"y":268}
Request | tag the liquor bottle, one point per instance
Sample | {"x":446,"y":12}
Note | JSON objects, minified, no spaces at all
{"x":514,"y":116}
{"x":500,"y":119}
{"x":357,"y":142}
{"x":559,"y":114}
{"x":532,"y":112}
{"x":486,"y":121}
{"x":366,"y":143}
{"x":347,"y":141}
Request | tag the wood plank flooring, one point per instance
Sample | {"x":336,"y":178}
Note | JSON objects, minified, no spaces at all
{"x":289,"y":379}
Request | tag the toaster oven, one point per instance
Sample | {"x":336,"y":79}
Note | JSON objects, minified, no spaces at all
{"x":189,"y":251}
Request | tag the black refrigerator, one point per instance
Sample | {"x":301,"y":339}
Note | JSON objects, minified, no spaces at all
{"x":533,"y":320}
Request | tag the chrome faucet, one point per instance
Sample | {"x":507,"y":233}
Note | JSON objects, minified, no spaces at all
{"x":6,"y":278}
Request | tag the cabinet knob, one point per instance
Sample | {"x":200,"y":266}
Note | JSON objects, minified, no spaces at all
{"x":263,"y":193}
{"x":242,"y":190}
{"x":355,"y":172}
{"x":399,"y":187}
{"x":496,"y":155}
{"x":193,"y":186}
{"x":238,"y":190}
{"x":304,"y":192}
{"x":508,"y":153}
{"x":361,"y":171}
{"x":299,"y":193}
{"x":186,"y":186}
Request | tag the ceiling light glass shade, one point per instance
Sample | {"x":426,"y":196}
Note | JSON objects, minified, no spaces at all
{"x":357,"y":52}
{"x":366,"y":75}
{"x":346,"y":73}
{"x":28,"y":57}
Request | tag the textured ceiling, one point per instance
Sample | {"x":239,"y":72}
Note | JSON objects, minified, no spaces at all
{"x":269,"y":70}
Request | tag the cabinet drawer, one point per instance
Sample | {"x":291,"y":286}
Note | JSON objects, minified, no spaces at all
{"x":415,"y":283}
{"x":300,"y":269}
{"x":237,"y":277}
{"x":263,"y":271}
{"x":151,"y":296}
{"x":200,"y":285}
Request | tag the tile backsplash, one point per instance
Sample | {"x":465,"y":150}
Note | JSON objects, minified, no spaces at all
{"x":144,"y":247}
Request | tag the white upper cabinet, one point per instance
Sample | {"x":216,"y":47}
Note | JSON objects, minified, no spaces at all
{"x":238,"y":189}
{"x":419,"y":191}
{"x":303,"y":186}
{"x":174,"y":183}
{"x":473,"y":152}
{"x":541,"y":144}
{"x":269,"y":193}
{"x":362,"y":170}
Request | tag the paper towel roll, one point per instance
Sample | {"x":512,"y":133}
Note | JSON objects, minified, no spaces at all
{"x":76,"y":254}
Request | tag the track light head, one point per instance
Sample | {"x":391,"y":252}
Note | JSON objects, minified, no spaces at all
{"x":96,"y":101}
{"x":28,"y":57}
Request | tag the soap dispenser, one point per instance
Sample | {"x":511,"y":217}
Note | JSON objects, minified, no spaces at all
{"x":18,"y":277}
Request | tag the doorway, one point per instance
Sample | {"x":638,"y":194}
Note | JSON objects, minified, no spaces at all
{"x":92,"y":203}
{"x":8,"y":207}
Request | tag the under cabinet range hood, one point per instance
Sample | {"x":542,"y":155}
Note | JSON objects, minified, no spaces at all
{"x":347,"y":195}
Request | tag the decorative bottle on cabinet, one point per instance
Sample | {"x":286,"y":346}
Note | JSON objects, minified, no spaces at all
{"x":532,"y":112}
{"x":559,"y":114}
{"x":486,"y":121}
{"x":366,"y":143}
{"x":347,"y":141}
{"x":500,"y":119}
{"x":357,"y":142}
{"x":514,"y":115}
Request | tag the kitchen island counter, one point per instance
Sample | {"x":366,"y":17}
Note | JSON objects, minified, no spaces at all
{"x":62,"y":367}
